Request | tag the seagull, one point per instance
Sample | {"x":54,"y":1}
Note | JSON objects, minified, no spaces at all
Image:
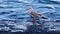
{"x":35,"y":14}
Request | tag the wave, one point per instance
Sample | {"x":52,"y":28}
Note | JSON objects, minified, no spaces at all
{"x":48,"y":1}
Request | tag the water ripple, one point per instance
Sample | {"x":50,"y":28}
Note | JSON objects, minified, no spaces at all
{"x":16,"y":10}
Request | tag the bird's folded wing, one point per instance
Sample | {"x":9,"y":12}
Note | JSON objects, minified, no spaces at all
{"x":34,"y":14}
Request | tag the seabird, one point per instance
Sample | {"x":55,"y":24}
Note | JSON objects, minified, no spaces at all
{"x":35,"y":14}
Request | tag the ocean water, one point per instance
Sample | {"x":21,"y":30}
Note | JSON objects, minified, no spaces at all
{"x":14,"y":17}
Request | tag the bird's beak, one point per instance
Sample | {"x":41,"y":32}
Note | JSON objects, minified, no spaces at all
{"x":29,"y":8}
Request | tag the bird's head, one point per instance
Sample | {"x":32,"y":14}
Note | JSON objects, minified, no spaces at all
{"x":30,"y":8}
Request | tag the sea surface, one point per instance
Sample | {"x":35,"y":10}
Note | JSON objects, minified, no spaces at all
{"x":15,"y":18}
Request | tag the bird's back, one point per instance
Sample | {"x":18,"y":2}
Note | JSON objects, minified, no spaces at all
{"x":33,"y":13}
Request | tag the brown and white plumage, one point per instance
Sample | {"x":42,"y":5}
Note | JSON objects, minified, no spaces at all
{"x":33,"y":13}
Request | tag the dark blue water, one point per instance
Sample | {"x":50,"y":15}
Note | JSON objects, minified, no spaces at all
{"x":15,"y":12}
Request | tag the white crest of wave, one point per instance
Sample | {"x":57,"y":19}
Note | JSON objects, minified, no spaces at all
{"x":26,"y":1}
{"x":56,"y":0}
